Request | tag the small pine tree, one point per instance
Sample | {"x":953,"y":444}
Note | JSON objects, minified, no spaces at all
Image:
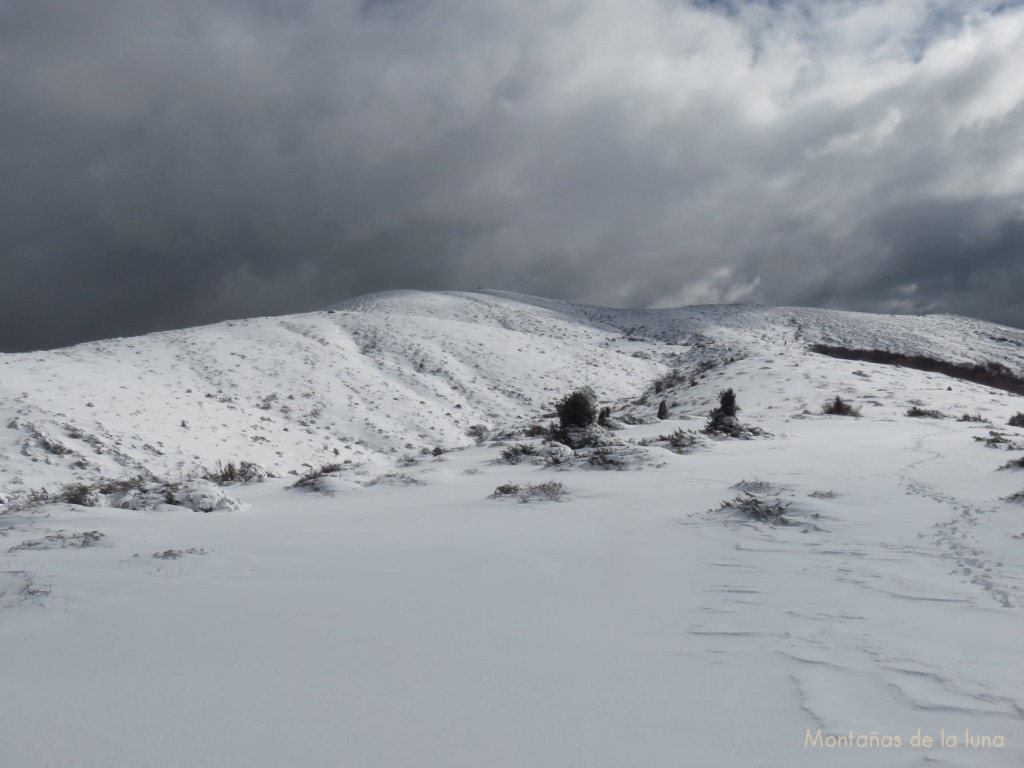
{"x":603,"y":416}
{"x":722,"y":420}
{"x":727,"y":402}
{"x":663,"y":410}
{"x":577,"y":409}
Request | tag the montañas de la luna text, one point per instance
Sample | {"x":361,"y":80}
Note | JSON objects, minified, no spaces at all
{"x":876,"y":740}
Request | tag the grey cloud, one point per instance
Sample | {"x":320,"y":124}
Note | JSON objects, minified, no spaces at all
{"x":171,"y":164}
{"x":954,"y":257}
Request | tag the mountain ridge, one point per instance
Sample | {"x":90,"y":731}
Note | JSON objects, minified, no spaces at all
{"x":377,"y":375}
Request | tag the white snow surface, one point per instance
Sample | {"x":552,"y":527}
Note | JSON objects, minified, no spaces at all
{"x":396,"y":614}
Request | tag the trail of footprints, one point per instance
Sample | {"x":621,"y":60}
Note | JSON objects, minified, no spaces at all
{"x":956,"y":541}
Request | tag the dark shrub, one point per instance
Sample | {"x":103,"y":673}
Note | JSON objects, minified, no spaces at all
{"x":924,"y":413}
{"x":989,"y":374}
{"x":243,"y":472}
{"x":553,"y":433}
{"x":995,"y":440}
{"x":309,"y":479}
{"x":39,"y":497}
{"x":670,"y":379}
{"x":722,"y":420}
{"x":680,"y":441}
{"x":604,"y":456}
{"x":514,"y":453}
{"x":136,"y":483}
{"x":839,"y":407}
{"x":478,"y":432}
{"x":727,"y":402}
{"x":1017,"y":463}
{"x":757,"y":508}
{"x":223,"y":474}
{"x":55,"y":447}
{"x":663,"y":410}
{"x":508,"y":489}
{"x":577,"y":409}
{"x":549,"y":491}
{"x":1017,"y":420}
{"x":973,"y":417}
{"x":82,"y":495}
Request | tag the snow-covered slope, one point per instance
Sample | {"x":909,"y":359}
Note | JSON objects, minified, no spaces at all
{"x":405,"y":617}
{"x":380,"y":374}
{"x":403,"y":371}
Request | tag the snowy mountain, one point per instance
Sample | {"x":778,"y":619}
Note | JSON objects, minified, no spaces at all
{"x":698,"y":600}
{"x":406,"y":370}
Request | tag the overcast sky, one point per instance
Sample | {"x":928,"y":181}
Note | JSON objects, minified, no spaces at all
{"x":165,"y":164}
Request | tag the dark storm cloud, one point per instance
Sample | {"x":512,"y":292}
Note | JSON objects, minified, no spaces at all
{"x":167,"y":164}
{"x":962,"y":257}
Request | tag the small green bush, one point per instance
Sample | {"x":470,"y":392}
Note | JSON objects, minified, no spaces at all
{"x":309,"y":479}
{"x":995,"y":440}
{"x":604,"y":456}
{"x":670,"y":379}
{"x":722,"y":420}
{"x":223,"y":474}
{"x":508,"y":489}
{"x":243,"y":472}
{"x":757,"y":508}
{"x":478,"y":432}
{"x":136,"y":483}
{"x":548,"y":491}
{"x":513,"y":454}
{"x":680,"y":441}
{"x":576,"y":409}
{"x":924,"y":413}
{"x":727,"y":402}
{"x":973,"y":417}
{"x":80,"y":494}
{"x":839,"y":407}
{"x":55,"y":447}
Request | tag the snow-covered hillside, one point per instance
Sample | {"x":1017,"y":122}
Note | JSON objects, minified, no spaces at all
{"x":406,"y":370}
{"x":403,"y":614}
